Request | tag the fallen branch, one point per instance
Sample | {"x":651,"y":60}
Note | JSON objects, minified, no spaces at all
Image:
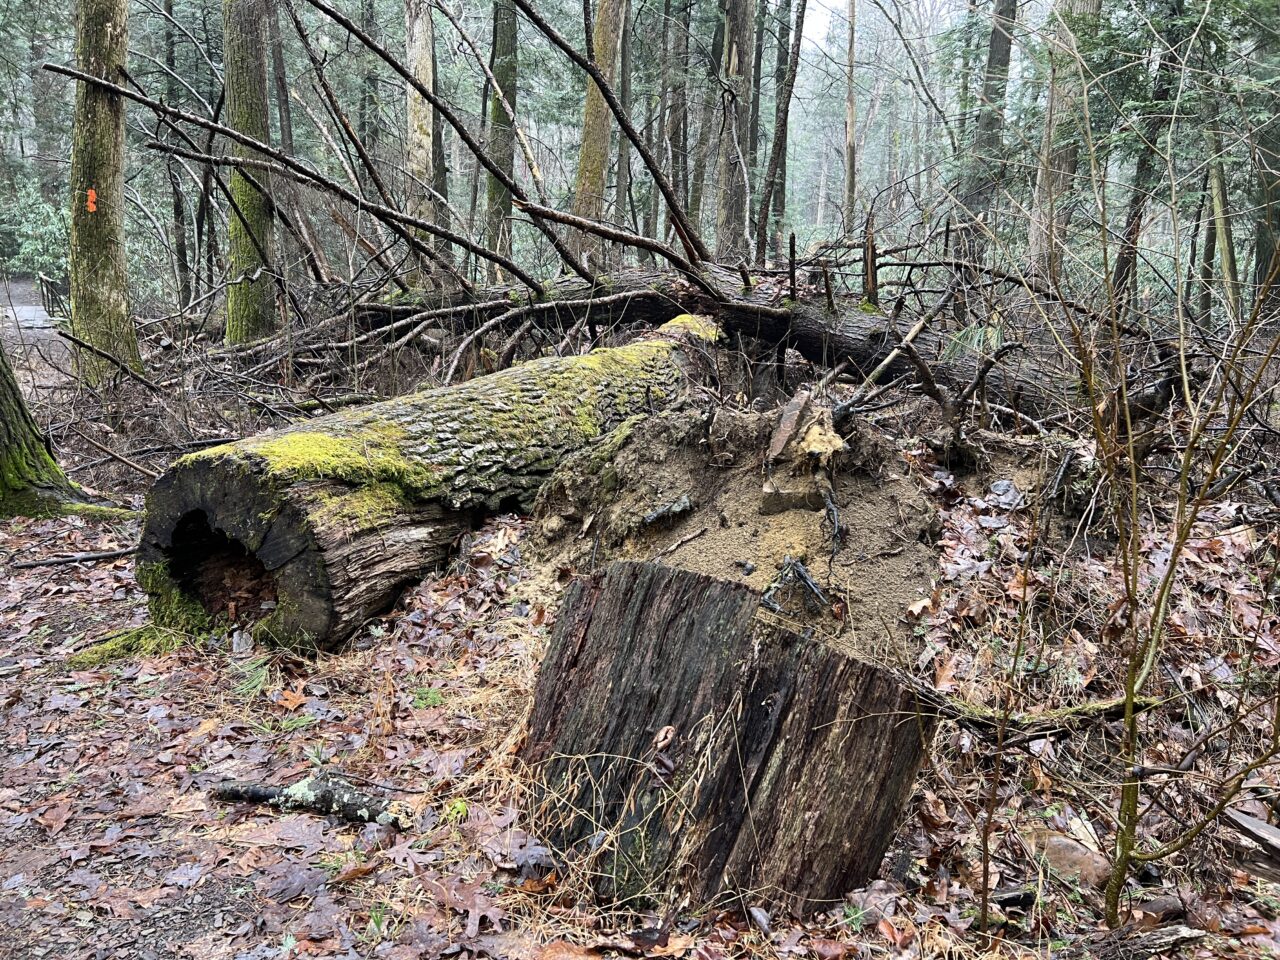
{"x":91,"y":557}
{"x":323,"y":794}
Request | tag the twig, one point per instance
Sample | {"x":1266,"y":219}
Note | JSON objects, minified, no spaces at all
{"x":75,"y":558}
{"x":102,"y":448}
{"x":112,"y":359}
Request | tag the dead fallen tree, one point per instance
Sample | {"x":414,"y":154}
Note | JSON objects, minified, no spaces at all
{"x":309,"y":531}
{"x":826,"y":331}
{"x":686,"y":744}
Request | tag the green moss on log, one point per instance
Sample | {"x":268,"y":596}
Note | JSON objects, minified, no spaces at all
{"x":172,"y":608}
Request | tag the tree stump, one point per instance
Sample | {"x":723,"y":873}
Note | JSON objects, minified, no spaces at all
{"x":307,"y":532}
{"x":682,"y":745}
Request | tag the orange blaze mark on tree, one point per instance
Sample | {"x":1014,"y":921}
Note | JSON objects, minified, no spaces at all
{"x":91,"y":202}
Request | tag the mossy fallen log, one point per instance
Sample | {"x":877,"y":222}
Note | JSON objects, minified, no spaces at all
{"x":684,"y":744}
{"x":307,"y":532}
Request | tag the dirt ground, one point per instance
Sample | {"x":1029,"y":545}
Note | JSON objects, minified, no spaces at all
{"x":111,"y":846}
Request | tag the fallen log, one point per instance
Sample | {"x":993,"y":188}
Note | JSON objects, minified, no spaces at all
{"x":1037,"y":381}
{"x":307,"y":532}
{"x":683,"y":744}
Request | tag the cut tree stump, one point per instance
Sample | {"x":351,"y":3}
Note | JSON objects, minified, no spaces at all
{"x":308,"y":532}
{"x":684,"y":746}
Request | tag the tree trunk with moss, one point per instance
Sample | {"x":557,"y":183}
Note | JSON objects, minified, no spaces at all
{"x":31,"y":483}
{"x":685,"y":744}
{"x":307,"y":532}
{"x":593,"y":153}
{"x":733,"y":243}
{"x":251,"y":291}
{"x":96,"y":257}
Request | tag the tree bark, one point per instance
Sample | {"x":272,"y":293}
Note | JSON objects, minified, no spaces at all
{"x":31,"y":482}
{"x":502,"y":141}
{"x":326,"y":522}
{"x":593,"y":155}
{"x":250,"y":295}
{"x":420,"y":135}
{"x":96,"y":259}
{"x":851,"y":124}
{"x":733,"y":243}
{"x":684,"y":746}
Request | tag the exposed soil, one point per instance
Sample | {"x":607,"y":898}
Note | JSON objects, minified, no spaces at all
{"x":689,"y":494}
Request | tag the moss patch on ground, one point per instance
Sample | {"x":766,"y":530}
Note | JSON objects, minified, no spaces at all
{"x":148,"y":641}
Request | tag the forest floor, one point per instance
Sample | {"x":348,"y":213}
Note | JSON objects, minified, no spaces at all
{"x":110,"y":845}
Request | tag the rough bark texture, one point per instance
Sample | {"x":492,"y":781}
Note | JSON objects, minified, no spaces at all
{"x":593,"y":156}
{"x":99,"y":280}
{"x":250,"y":295}
{"x":420,"y":147}
{"x":326,"y":522}
{"x":502,"y":139}
{"x":685,"y":745}
{"x":733,"y":243}
{"x":30,"y":480}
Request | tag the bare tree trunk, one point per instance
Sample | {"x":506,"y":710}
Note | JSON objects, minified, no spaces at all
{"x":1222,"y":225}
{"x":250,"y":298}
{"x":733,"y":243}
{"x":787,"y":67}
{"x":502,"y":141}
{"x":706,"y":123}
{"x":97,"y":261}
{"x":181,"y":256}
{"x":420,"y":131}
{"x":680,"y":107}
{"x":1060,"y":150}
{"x":622,"y":192}
{"x":778,"y":213}
{"x":851,"y":125}
{"x":665,"y":146}
{"x":593,"y":155}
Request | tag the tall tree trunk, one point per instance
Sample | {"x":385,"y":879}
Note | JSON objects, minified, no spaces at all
{"x":502,"y":141}
{"x":280,"y":81}
{"x":1146,"y":172}
{"x":1266,"y":267}
{"x":99,"y":277}
{"x":779,"y":204}
{"x":30,"y":481}
{"x":665,"y":147}
{"x":986,"y":165}
{"x":1060,"y":149}
{"x":851,"y":125}
{"x":420,"y":151}
{"x":366,"y":119}
{"x":1222,"y":225}
{"x":439,"y":164}
{"x":774,"y":194}
{"x":680,"y":107}
{"x":250,"y":296}
{"x":622,"y":193}
{"x":757,"y":78}
{"x":733,"y":243}
{"x":593,"y":155}
{"x":706,"y":123}
{"x":173,"y":94}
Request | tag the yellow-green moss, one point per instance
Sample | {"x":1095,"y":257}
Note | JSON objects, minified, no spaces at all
{"x":172,"y":608}
{"x":362,"y":508}
{"x":148,"y":641}
{"x":704,"y":328}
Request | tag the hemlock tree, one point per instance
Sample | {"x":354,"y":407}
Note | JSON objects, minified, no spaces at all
{"x":96,"y":259}
{"x":250,"y":313}
{"x":31,"y":483}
